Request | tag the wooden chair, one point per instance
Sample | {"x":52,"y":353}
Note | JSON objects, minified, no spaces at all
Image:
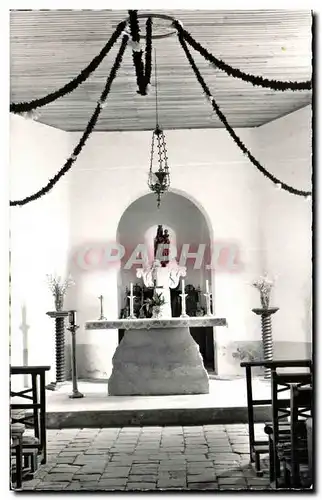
{"x":294,"y":453}
{"x":279,"y":430}
{"x":259,"y":447}
{"x":37,"y":418}
{"x":16,"y":433}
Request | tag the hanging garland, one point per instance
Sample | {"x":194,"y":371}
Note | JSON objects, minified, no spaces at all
{"x":230,"y":130}
{"x":89,"y":129}
{"x":21,"y":107}
{"x":143,"y":80}
{"x":148,"y":52}
{"x":137,"y":52}
{"x":143,"y":76}
{"x":237,"y":73}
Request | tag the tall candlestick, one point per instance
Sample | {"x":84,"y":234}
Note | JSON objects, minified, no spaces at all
{"x":208,"y":303}
{"x":131,"y":297}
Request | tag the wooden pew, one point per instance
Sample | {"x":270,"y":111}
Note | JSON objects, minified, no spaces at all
{"x":259,"y":447}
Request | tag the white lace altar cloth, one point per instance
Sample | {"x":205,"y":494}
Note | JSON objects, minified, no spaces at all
{"x":148,"y":323}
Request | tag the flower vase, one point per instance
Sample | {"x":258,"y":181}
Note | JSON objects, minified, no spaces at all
{"x":156,"y":312}
{"x":59,"y":302}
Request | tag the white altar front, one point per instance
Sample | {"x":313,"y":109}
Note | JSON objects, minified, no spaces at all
{"x":157,"y":356}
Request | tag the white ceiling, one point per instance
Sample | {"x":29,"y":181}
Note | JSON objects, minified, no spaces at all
{"x":49,"y":48}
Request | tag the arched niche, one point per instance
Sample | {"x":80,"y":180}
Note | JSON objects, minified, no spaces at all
{"x":186,"y":223}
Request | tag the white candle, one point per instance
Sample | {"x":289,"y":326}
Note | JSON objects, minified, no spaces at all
{"x":182,"y":284}
{"x":131,"y":289}
{"x":207,"y":286}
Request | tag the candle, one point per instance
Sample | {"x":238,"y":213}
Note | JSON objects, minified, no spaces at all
{"x":207,"y":286}
{"x":182,"y":283}
{"x":131,"y":289}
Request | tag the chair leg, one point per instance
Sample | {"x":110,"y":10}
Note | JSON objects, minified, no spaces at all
{"x":286,"y":477}
{"x":43,"y":437}
{"x":34,"y":462}
{"x":271,"y":460}
{"x":19,"y":465}
{"x":258,"y":470}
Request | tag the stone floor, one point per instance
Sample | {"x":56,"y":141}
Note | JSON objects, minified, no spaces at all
{"x":210,"y":457}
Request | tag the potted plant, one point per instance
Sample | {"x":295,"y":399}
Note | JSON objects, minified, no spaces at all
{"x":58,"y":288}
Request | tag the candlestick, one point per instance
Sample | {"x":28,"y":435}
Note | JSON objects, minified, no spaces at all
{"x":102,"y":317}
{"x":183,"y":296}
{"x":208,"y":303}
{"x":72,"y":328}
{"x":131,"y":297}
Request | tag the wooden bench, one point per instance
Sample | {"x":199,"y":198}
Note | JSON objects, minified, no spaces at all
{"x":259,"y":447}
{"x":37,"y":406}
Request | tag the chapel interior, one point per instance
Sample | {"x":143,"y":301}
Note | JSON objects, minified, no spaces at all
{"x":160,"y":246}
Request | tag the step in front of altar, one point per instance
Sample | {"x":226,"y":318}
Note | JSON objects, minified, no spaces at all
{"x":226,"y":403}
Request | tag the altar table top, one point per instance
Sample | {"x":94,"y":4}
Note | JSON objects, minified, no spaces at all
{"x":148,"y":323}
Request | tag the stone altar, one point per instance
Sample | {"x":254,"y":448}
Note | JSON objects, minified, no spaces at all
{"x":157,"y":357}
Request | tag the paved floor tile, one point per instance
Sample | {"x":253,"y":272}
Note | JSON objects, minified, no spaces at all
{"x":203,"y":486}
{"x":141,"y":486}
{"x":87,"y":477}
{"x":116,"y":481}
{"x":152,"y":458}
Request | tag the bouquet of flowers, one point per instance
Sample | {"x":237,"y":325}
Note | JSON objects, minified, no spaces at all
{"x":157,"y":300}
{"x":264,"y":285}
{"x":58,"y":288}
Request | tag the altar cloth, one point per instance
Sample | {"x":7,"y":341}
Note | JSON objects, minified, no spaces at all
{"x":148,"y":323}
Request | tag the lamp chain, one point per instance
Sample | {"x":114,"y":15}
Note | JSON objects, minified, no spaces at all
{"x":156,"y":88}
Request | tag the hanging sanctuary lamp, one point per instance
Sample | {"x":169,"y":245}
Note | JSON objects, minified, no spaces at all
{"x":158,"y":180}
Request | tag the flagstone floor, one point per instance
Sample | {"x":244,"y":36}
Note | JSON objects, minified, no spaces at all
{"x":210,"y":457}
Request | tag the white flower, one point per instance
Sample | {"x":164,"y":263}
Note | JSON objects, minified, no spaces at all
{"x":57,"y":285}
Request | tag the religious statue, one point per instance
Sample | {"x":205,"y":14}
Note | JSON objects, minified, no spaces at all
{"x":162,"y":275}
{"x":162,"y":239}
{"x":158,"y":240}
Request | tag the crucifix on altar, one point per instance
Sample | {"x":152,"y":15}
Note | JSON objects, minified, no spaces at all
{"x":102,"y":317}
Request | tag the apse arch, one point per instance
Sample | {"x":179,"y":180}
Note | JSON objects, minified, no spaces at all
{"x":185,"y":194}
{"x":179,"y":211}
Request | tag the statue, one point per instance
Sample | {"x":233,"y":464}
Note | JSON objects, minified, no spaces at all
{"x":158,"y":240}
{"x":162,"y":275}
{"x":166,"y":251}
{"x":162,"y":238}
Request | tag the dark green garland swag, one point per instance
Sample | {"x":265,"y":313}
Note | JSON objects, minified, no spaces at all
{"x":237,"y":73}
{"x":89,"y":129}
{"x":230,"y":130}
{"x":21,"y":107}
{"x":143,"y":76}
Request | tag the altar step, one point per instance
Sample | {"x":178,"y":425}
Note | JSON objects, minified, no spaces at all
{"x":225,"y":404}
